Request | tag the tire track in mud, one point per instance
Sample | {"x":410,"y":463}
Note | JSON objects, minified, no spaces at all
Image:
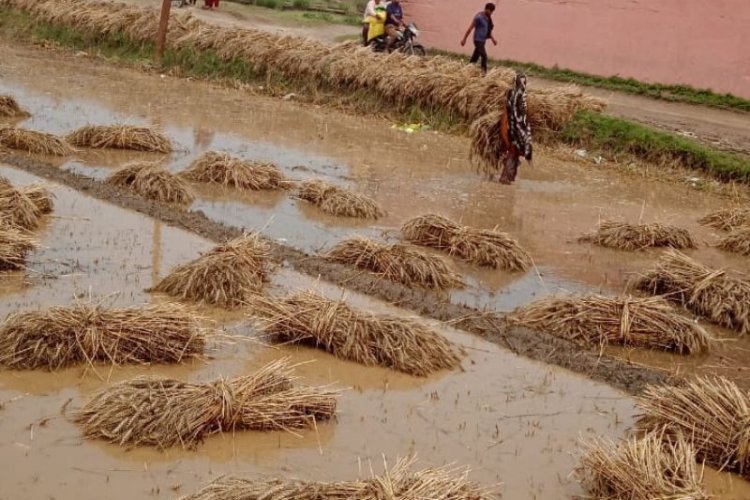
{"x":490,"y":326}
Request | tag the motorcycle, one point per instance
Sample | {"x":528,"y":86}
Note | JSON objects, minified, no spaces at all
{"x":404,"y":43}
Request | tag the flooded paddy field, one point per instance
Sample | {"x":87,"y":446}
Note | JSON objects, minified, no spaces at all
{"x":515,"y":421}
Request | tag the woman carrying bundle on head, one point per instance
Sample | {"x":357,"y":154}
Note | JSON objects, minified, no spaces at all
{"x":515,"y":130}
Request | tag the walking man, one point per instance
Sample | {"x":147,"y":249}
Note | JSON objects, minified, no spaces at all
{"x":482,"y":25}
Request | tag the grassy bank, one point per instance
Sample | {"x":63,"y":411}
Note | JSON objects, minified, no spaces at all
{"x":590,"y":130}
{"x":673,"y":93}
{"x":615,"y":136}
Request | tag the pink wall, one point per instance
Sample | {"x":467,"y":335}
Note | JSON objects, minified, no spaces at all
{"x":703,"y":43}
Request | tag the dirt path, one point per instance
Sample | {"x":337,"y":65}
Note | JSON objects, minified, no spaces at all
{"x":727,"y":130}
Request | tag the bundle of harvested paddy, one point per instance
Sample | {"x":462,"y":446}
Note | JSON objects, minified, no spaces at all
{"x":624,"y":236}
{"x":84,"y":333}
{"x":14,"y":245}
{"x":166,"y":412}
{"x":640,"y":469}
{"x":226,"y":276}
{"x":17,"y":209}
{"x":120,"y":137}
{"x":738,"y":241}
{"x":487,"y":150}
{"x":484,"y":247}
{"x":40,"y":196}
{"x":34,"y":142}
{"x":337,"y":201}
{"x":727,"y":218}
{"x":226,"y":170}
{"x":630,"y":321}
{"x":712,"y":413}
{"x":10,"y":108}
{"x":402,"y":263}
{"x":399,"y":483}
{"x":153,"y":182}
{"x":710,"y":293}
{"x":370,"y":339}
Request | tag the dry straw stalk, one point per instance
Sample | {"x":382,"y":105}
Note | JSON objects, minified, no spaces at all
{"x":624,"y":236}
{"x":9,"y":107}
{"x":337,"y":201}
{"x":34,"y":142}
{"x":153,"y":182}
{"x":228,"y":276}
{"x":711,"y":293}
{"x":165,"y":412}
{"x":630,"y":321}
{"x":712,"y":413}
{"x":223,"y":169}
{"x":738,"y":241}
{"x":727,"y":218}
{"x":14,"y":245}
{"x":40,"y":196}
{"x":333,"y":326}
{"x":641,"y":469}
{"x":484,"y":247}
{"x":402,"y":263}
{"x":400,"y":482}
{"x":487,"y":150}
{"x":120,"y":137}
{"x":83,"y":333}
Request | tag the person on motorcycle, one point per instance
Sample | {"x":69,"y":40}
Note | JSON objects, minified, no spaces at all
{"x":369,"y":14}
{"x":376,"y":23}
{"x":394,"y":21}
{"x":482,"y":25}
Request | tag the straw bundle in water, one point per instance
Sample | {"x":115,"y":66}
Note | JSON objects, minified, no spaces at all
{"x":226,"y":170}
{"x":17,"y":209}
{"x":40,"y":196}
{"x":165,"y":412}
{"x":226,"y":276}
{"x":641,"y":469}
{"x":624,"y":236}
{"x":712,"y":413}
{"x":484,"y":247}
{"x":728,"y":218}
{"x":631,"y":321}
{"x":120,"y":137}
{"x":337,"y":201}
{"x":359,"y":336}
{"x":710,"y":293}
{"x":153,"y":182}
{"x":14,"y":245}
{"x":400,"y":482}
{"x":737,"y":241}
{"x":34,"y":142}
{"x":83,"y":333}
{"x":402,"y":263}
{"x":9,"y":107}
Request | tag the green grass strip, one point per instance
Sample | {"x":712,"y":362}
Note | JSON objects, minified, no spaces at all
{"x":673,"y":93}
{"x":618,"y":136}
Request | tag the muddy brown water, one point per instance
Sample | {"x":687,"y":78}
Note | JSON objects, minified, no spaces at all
{"x":515,"y":422}
{"x":512,"y":420}
{"x":552,"y":204}
{"x":539,"y":411}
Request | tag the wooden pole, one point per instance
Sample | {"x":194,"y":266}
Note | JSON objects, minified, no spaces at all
{"x":161,"y":36}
